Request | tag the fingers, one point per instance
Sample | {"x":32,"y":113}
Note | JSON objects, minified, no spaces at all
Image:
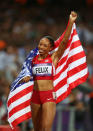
{"x":25,"y":79}
{"x":73,"y":13}
{"x":73,"y":16}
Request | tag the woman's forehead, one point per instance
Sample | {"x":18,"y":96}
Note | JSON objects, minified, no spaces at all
{"x":44,"y":40}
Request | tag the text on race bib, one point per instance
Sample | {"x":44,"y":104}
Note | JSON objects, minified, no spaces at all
{"x":42,"y":69}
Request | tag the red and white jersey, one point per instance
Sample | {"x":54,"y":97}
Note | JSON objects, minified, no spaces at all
{"x":43,"y":69}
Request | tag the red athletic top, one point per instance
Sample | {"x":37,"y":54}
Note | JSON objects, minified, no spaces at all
{"x":43,"y":69}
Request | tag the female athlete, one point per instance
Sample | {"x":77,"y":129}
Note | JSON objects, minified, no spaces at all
{"x":43,"y":102}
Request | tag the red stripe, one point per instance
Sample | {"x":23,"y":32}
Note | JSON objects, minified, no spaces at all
{"x":62,"y":61}
{"x":72,"y":72}
{"x":62,"y":97}
{"x":76,"y":70}
{"x":70,"y":60}
{"x":60,"y":84}
{"x":19,"y":107}
{"x":58,"y":41}
{"x":75,"y":44}
{"x":74,"y":31}
{"x":21,"y":119}
{"x":65,"y":58}
{"x":71,"y":37}
{"x":78,"y":81}
{"x":20,"y":94}
{"x":76,"y":57}
{"x":70,"y":40}
{"x":71,"y":86}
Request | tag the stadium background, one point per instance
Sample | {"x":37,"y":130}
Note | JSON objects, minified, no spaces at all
{"x":22,"y":24}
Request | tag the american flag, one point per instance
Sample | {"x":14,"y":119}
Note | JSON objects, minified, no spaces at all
{"x":70,"y":72}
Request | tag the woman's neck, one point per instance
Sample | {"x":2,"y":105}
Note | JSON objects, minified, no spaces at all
{"x":42,"y":56}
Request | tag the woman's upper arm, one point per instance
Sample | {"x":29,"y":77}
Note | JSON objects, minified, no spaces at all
{"x":57,"y":55}
{"x":61,"y":49}
{"x":55,"y":59}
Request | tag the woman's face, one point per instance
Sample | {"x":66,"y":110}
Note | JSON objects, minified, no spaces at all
{"x":44,"y":46}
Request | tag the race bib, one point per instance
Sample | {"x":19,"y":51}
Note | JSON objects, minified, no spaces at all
{"x":42,"y":69}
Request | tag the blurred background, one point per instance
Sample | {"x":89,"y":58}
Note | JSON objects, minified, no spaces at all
{"x":22,"y":24}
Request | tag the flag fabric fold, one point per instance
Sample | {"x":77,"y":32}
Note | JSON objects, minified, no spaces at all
{"x":70,"y":72}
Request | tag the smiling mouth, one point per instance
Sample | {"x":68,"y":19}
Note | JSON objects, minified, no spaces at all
{"x":41,"y":51}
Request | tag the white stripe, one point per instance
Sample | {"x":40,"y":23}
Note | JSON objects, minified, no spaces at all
{"x":71,"y":66}
{"x":71,"y":80}
{"x":61,"y":77}
{"x":77,"y":76}
{"x":20,"y":88}
{"x":71,"y":53}
{"x":61,"y":90}
{"x":75,"y":38}
{"x":65,"y":53}
{"x":60,"y":67}
{"x":75,"y":51}
{"x":19,"y":113}
{"x":72,"y":35}
{"x":73,"y":27}
{"x":77,"y":63}
{"x":19,"y":101}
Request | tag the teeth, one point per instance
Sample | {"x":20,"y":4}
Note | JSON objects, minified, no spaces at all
{"x":41,"y":50}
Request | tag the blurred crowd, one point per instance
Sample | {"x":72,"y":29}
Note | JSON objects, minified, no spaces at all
{"x":22,"y":24}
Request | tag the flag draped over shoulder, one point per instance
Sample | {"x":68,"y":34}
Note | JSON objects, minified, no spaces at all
{"x":70,"y":72}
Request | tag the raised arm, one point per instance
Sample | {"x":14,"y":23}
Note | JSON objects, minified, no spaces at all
{"x":56,"y":56}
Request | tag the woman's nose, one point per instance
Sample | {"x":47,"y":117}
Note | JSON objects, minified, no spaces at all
{"x":41,"y":47}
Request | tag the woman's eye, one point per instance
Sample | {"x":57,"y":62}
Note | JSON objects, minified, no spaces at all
{"x":45,"y":45}
{"x":40,"y":44}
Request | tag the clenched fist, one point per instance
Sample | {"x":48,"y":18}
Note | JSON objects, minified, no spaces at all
{"x":26,"y":79}
{"x":73,"y":17}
